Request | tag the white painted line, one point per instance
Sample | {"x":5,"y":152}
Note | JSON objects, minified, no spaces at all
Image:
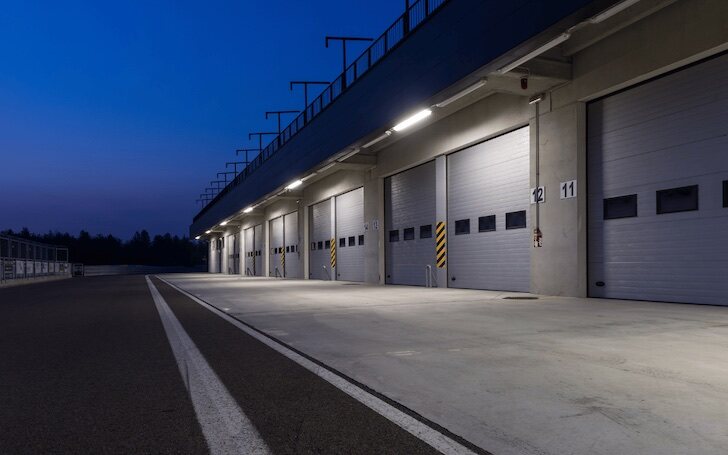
{"x":226,"y":428}
{"x":424,"y":432}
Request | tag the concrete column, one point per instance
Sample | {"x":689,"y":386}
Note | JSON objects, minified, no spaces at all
{"x":333,"y":233}
{"x":304,"y":223}
{"x":373,"y":250}
{"x":440,"y":210}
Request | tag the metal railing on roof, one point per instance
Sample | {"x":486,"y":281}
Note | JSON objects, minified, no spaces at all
{"x":405,"y":25}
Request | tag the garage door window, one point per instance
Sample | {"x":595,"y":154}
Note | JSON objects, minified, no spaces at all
{"x":342,"y":242}
{"x":426,"y":231}
{"x":313,"y":246}
{"x":352,"y":241}
{"x":462,"y":227}
{"x":327,"y":244}
{"x":361,"y":240}
{"x":320,"y":245}
{"x":409,"y":233}
{"x":486,"y":223}
{"x":725,"y":193}
{"x":516,"y":220}
{"x":394,"y":236}
{"x":683,"y":199}
{"x":620,"y":207}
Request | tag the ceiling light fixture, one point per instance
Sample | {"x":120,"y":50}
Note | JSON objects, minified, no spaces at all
{"x":294,"y":184}
{"x":604,"y":15}
{"x":551,"y":44}
{"x":418,"y":117}
{"x":463,"y":93}
{"x":384,"y":135}
{"x":248,"y":210}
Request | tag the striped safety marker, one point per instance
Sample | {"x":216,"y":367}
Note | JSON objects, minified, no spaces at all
{"x":441,"y":245}
{"x":333,"y":253}
{"x":283,"y":258}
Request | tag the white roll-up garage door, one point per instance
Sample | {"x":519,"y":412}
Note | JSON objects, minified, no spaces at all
{"x":409,"y":213}
{"x":350,"y":236}
{"x":658,"y":191}
{"x":320,"y":241}
{"x":488,"y":206}
{"x":250,"y":258}
{"x":275,"y":258}
{"x":292,"y":250}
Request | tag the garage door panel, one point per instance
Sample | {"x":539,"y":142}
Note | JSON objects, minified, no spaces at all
{"x":275,"y":266}
{"x":687,"y":90}
{"x":250,"y":259}
{"x":489,"y":179}
{"x":680,"y":141}
{"x":410,"y":200}
{"x":350,"y":223}
{"x":320,"y":234}
{"x":292,"y":247}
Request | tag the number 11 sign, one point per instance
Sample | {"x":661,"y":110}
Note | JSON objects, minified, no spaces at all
{"x":568,"y":189}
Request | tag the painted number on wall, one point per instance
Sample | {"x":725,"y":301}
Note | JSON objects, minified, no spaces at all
{"x":538,"y":195}
{"x":568,"y":189}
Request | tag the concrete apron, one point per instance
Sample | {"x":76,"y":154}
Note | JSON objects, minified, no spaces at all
{"x":553,"y":375}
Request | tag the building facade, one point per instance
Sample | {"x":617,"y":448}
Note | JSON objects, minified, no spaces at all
{"x":574,"y":148}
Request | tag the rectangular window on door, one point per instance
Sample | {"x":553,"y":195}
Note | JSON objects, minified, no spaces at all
{"x":486,"y":223}
{"x":620,"y":207}
{"x":327,"y":244}
{"x":313,"y":246}
{"x":352,"y":241}
{"x":409,"y":233}
{"x":321,"y":245}
{"x":342,"y":242}
{"x":462,"y":227}
{"x":426,"y":231}
{"x":361,"y":240}
{"x":516,"y":220}
{"x":394,"y":236}
{"x":673,"y":200}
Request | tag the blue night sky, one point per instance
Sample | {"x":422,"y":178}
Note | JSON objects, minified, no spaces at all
{"x":114,"y":116}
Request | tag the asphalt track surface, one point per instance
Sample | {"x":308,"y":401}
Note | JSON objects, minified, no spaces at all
{"x":86,"y":367}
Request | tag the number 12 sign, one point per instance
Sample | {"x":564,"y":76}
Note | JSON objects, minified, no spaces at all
{"x":568,"y":189}
{"x":538,"y":195}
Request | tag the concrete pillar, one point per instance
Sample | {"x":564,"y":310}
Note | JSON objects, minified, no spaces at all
{"x":373,"y":201}
{"x":333,"y":270}
{"x":440,"y":209}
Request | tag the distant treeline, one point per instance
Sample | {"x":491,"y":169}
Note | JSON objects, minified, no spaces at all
{"x":165,"y":250}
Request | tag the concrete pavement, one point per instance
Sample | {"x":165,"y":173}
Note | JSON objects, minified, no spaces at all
{"x":545,"y":376}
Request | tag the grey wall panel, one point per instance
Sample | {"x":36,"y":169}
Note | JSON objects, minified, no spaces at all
{"x":668,"y":133}
{"x":491,"y":178}
{"x":293,"y":247}
{"x":350,"y":226}
{"x":275,"y":266}
{"x":320,"y":230}
{"x":259,"y":246}
{"x":409,"y":202}
{"x":250,"y":258}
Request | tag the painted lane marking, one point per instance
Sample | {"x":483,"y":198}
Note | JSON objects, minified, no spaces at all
{"x":420,"y":430}
{"x":226,"y":428}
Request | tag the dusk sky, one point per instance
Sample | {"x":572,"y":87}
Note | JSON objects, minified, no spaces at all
{"x":114,"y":116}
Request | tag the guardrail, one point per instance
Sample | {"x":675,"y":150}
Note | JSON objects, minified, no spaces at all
{"x":405,"y":25}
{"x":22,"y":259}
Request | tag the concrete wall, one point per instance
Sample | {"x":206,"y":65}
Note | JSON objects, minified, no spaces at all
{"x":604,"y":59}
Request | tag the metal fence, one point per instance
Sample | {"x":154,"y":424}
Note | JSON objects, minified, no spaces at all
{"x":406,"y":24}
{"x":25,"y":259}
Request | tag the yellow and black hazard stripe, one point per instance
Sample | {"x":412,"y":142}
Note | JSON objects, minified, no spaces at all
{"x":283,"y":258}
{"x":441,"y":244}
{"x":333,"y":253}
